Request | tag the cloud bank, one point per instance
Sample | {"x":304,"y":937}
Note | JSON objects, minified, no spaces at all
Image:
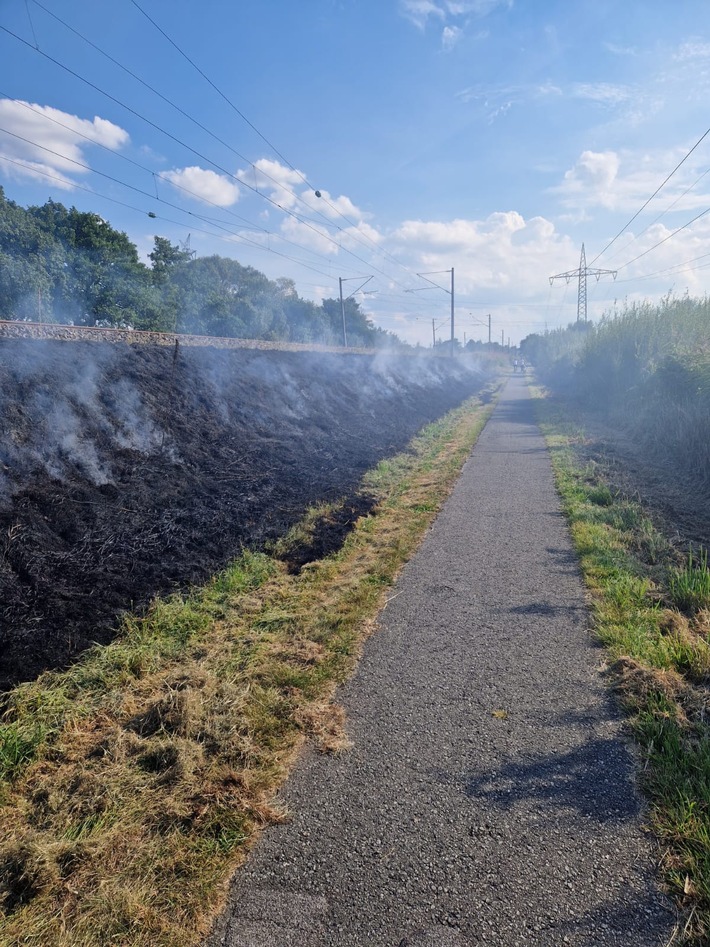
{"x":49,"y":142}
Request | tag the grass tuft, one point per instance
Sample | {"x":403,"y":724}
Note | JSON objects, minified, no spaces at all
{"x":689,"y":585}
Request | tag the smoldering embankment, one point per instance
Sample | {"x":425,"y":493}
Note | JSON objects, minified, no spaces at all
{"x":127,"y":471}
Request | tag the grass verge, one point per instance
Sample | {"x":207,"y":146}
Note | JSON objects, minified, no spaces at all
{"x":651,"y":608}
{"x":132,"y":784}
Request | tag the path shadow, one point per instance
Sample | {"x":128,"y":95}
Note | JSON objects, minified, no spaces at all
{"x":517,"y":411}
{"x":625,"y":919}
{"x":593,"y":779}
{"x":545,"y":608}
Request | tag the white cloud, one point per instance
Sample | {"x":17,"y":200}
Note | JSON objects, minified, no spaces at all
{"x":604,"y":93}
{"x":310,"y":236}
{"x":591,"y":180}
{"x":46,"y":140}
{"x":692,"y":50}
{"x":623,"y":181}
{"x":272,"y":178}
{"x":287,"y":188}
{"x":418,"y":12}
{"x":474,"y":7}
{"x":620,"y":50}
{"x":630,"y":103}
{"x":496,"y":101}
{"x":335,"y":208}
{"x":450,"y":36}
{"x":547,"y":88}
{"x":205,"y":185}
{"x":658,"y":255}
{"x":365,"y":230}
{"x":494,"y":254}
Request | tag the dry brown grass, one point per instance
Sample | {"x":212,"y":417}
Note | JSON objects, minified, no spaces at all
{"x":148,"y":769}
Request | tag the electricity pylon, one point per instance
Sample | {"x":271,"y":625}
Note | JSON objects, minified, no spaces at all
{"x":582,"y":273}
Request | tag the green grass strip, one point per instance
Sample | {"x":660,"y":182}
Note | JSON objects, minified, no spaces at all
{"x":651,"y":611}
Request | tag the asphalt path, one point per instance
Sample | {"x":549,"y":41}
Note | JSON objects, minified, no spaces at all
{"x":489,"y":797}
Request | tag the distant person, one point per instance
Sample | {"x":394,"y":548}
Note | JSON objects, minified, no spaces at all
{"x":515,"y":365}
{"x":522,"y":365}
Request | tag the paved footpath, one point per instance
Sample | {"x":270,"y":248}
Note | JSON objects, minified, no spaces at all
{"x":447,"y":825}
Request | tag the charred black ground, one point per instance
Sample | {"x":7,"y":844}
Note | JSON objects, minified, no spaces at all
{"x":126,"y":471}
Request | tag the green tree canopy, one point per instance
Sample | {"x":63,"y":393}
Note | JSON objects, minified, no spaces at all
{"x":64,"y":265}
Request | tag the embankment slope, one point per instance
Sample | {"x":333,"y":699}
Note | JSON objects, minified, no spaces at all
{"x":126,"y":471}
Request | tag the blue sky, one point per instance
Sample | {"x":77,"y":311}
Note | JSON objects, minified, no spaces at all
{"x":491,"y":136}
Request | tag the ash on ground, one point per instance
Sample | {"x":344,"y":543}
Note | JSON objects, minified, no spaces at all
{"x":127,"y":471}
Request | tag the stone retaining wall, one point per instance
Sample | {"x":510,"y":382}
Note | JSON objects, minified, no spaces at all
{"x":47,"y":330}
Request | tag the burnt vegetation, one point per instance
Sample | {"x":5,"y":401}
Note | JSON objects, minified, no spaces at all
{"x":128,"y":471}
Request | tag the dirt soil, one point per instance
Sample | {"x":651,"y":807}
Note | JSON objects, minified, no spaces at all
{"x":128,"y":471}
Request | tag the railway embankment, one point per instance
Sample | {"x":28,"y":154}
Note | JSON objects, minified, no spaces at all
{"x":128,"y":470}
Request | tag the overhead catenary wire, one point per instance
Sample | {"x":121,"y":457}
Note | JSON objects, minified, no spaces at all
{"x":276,"y":235}
{"x":154,"y":174}
{"x":203,"y":157}
{"x":182,"y":224}
{"x":647,"y":202}
{"x":132,"y":187}
{"x":32,"y":26}
{"x":80,"y":187}
{"x":239,"y":181}
{"x":278,"y":184}
{"x":232,"y":236}
{"x":357,"y":235}
{"x":228,"y":239}
{"x":259,"y":133}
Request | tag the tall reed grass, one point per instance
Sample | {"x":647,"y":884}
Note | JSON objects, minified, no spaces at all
{"x":647,"y":367}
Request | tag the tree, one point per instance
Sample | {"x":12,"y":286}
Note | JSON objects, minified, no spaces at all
{"x":165,"y":257}
{"x":61,"y":264}
{"x":359,"y":329}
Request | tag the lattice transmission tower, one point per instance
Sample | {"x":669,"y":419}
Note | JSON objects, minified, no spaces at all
{"x":581,"y":274}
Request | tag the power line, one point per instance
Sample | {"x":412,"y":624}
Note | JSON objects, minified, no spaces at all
{"x":660,"y":186}
{"x":636,"y":237}
{"x":219,"y":91}
{"x":183,"y":144}
{"x":80,"y":187}
{"x":138,"y":190}
{"x":669,"y":269}
{"x":259,"y":133}
{"x":187,"y":115}
{"x":32,"y":26}
{"x":162,"y":177}
{"x":666,"y":239}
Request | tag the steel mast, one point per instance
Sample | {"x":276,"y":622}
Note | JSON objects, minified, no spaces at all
{"x":581,"y":274}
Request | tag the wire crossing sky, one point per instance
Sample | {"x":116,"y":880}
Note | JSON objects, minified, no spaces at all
{"x":346,"y":139}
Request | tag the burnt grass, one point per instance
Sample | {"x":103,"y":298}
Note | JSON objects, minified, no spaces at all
{"x":128,"y":471}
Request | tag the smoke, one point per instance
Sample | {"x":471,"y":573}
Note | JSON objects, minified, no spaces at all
{"x":70,"y":445}
{"x":72,"y":409}
{"x":134,"y":429}
{"x":68,"y":416}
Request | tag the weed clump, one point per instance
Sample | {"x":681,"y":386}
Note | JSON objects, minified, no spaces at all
{"x":689,"y":585}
